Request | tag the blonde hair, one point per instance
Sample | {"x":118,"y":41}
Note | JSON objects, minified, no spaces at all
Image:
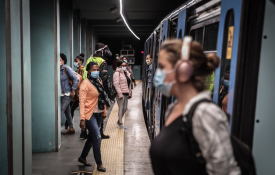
{"x":203,"y":65}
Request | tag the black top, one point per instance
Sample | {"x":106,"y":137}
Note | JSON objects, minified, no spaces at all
{"x":170,"y":153}
{"x":128,"y":80}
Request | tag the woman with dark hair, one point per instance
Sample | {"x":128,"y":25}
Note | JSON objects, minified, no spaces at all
{"x":92,"y":102}
{"x":192,"y":120}
{"x":122,"y":83}
{"x":124,"y":58}
{"x":67,"y":90}
{"x":78,"y":61}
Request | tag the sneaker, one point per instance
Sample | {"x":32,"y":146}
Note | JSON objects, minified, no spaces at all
{"x":70,"y":131}
{"x":83,"y":134}
{"x":121,"y":126}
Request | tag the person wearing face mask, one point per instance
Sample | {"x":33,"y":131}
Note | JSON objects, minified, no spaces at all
{"x":124,"y":58}
{"x":182,"y":69}
{"x":223,"y":95}
{"x":92,"y":102}
{"x":149,"y":70}
{"x":101,"y":50}
{"x":114,"y":63}
{"x":122,"y":83}
{"x":78,"y":61}
{"x":67,"y":90}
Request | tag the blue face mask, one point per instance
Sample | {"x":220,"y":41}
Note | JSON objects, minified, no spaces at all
{"x":225,"y":83}
{"x":164,"y":88}
{"x":76,"y":64}
{"x":117,"y":58}
{"x":125,"y":61}
{"x":95,"y":74}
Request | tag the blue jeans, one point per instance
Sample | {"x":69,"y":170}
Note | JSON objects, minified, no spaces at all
{"x":65,"y":108}
{"x":94,"y":138}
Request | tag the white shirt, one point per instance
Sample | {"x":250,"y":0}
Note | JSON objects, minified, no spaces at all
{"x":211,"y":131}
{"x":64,"y":94}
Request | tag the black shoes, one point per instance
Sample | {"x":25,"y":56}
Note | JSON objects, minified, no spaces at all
{"x":102,"y":169}
{"x":104,"y":136}
{"x":83,"y":134}
{"x":84,"y":162}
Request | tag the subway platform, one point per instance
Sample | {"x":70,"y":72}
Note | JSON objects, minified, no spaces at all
{"x":126,"y":152}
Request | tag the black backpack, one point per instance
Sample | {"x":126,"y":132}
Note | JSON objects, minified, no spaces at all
{"x":242,"y":152}
{"x":112,"y":92}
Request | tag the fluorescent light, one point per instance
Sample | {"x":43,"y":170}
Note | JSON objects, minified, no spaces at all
{"x":125,"y":21}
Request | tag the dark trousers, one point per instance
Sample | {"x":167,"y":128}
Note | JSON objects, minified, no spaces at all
{"x":73,"y":106}
{"x":94,"y":138}
{"x":101,"y":128}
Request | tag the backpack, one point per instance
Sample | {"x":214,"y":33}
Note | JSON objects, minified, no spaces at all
{"x":241,"y":151}
{"x":112,"y":92}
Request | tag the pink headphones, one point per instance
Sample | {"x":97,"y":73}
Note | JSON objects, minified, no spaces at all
{"x":184,"y":67}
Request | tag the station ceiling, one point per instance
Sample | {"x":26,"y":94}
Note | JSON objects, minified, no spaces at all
{"x":142,"y":15}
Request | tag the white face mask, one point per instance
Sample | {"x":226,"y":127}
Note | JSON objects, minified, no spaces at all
{"x":164,"y":88}
{"x":124,"y":68}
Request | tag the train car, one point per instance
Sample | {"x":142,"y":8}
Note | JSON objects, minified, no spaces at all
{"x":235,"y":31}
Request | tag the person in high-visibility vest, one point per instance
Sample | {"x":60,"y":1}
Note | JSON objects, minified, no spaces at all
{"x":209,"y":82}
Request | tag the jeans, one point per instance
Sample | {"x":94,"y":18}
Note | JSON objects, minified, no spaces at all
{"x":73,"y":106}
{"x":94,"y":138}
{"x":65,"y":108}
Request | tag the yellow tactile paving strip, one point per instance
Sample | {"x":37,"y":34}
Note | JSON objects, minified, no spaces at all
{"x":112,"y":150}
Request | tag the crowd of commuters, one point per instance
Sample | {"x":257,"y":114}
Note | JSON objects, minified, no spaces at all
{"x":87,"y":88}
{"x":182,"y":70}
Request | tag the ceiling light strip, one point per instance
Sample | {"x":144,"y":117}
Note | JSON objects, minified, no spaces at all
{"x":125,"y":21}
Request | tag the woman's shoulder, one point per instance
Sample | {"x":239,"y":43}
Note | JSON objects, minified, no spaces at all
{"x":211,"y":112}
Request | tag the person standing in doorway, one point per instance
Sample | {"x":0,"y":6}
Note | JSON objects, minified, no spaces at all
{"x":78,"y":63}
{"x":67,"y":90}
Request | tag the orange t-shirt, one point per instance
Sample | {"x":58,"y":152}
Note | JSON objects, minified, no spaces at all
{"x":88,"y":98}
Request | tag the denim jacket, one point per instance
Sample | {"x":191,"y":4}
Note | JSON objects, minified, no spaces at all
{"x":64,"y":80}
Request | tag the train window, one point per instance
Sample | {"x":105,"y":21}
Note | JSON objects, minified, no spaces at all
{"x":210,"y":37}
{"x":197,"y":35}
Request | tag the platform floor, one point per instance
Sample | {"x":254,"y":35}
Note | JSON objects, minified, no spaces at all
{"x":126,"y":152}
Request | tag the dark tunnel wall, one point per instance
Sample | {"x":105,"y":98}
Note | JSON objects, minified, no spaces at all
{"x":115,"y":45}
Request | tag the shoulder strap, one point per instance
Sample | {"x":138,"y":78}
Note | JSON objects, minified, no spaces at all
{"x":188,"y":128}
{"x":66,"y":72}
{"x":193,"y":108}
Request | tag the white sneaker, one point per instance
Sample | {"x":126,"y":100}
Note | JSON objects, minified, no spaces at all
{"x":121,"y":126}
